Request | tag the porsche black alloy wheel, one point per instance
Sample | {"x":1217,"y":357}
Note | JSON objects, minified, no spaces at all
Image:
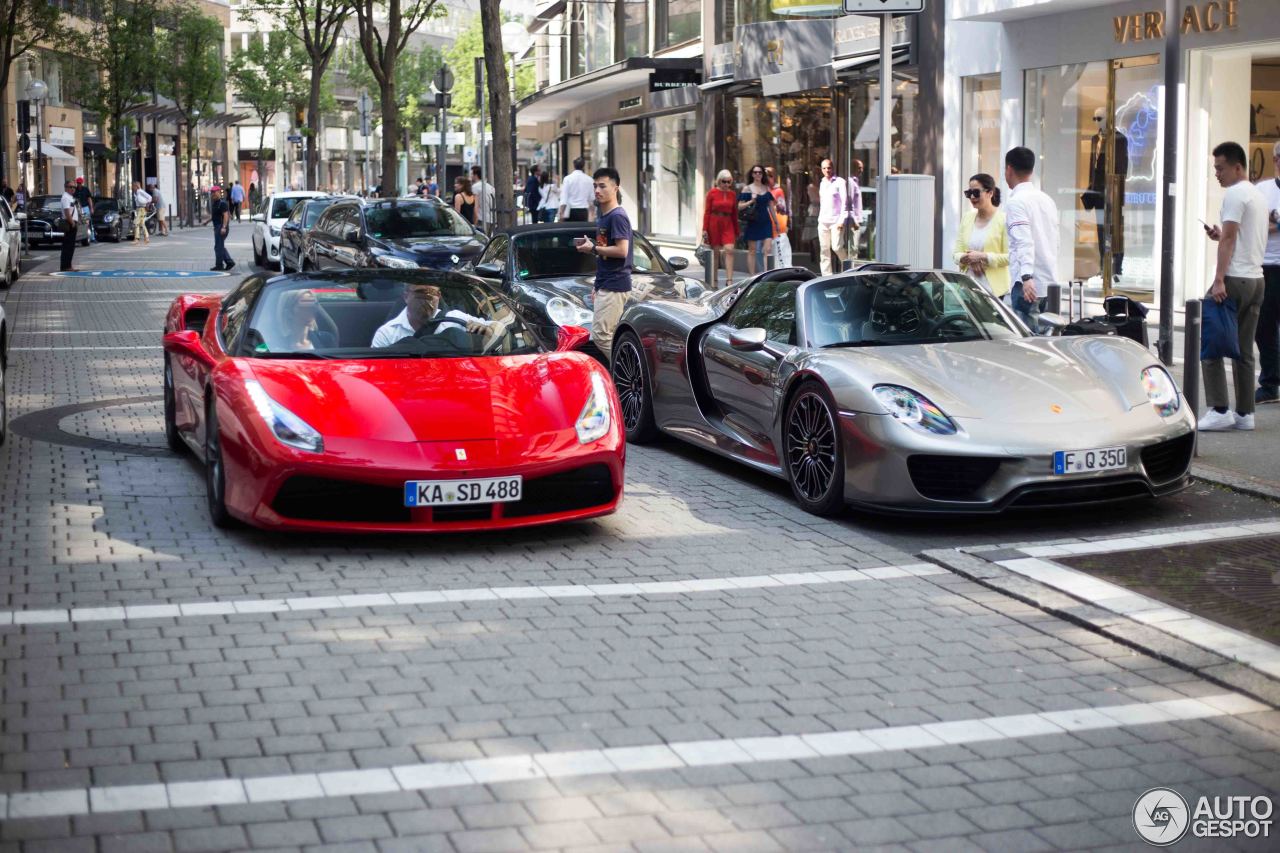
{"x":632,"y":384}
{"x":815,"y":462}
{"x":171,"y":435}
{"x":215,"y":477}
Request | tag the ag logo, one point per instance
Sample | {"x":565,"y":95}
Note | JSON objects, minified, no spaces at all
{"x":1161,"y":816}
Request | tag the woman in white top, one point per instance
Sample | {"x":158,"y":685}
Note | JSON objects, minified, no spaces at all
{"x":982,"y":246}
{"x":141,"y":201}
{"x":550,"y":199}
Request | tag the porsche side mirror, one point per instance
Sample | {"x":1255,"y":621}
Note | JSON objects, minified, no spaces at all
{"x":352,"y":235}
{"x":748,"y":340}
{"x":489,"y":270}
{"x":1054,"y":321}
{"x":571,"y":338}
{"x":678,"y":263}
{"x":187,"y":343}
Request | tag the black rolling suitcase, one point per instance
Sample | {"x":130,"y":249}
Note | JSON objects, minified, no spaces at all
{"x":1077,"y":324}
{"x":1129,"y":317}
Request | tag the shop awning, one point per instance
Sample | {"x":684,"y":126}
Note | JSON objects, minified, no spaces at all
{"x":550,"y":103}
{"x":54,"y":155}
{"x":717,"y":84}
{"x":869,"y":61}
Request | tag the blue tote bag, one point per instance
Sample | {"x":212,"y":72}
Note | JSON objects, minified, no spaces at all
{"x":1220,"y":336}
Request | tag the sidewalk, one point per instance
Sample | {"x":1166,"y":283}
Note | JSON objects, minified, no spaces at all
{"x":1246,"y":461}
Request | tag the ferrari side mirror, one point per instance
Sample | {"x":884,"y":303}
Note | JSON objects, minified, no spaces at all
{"x":187,"y":343}
{"x":571,"y":338}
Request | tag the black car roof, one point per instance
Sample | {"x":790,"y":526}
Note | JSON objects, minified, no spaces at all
{"x":447,"y":278}
{"x":548,"y":228}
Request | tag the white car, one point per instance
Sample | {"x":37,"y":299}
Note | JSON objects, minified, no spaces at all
{"x":267,"y":222}
{"x":10,"y":246}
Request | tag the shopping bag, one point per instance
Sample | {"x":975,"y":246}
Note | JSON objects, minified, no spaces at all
{"x":1219,"y":336}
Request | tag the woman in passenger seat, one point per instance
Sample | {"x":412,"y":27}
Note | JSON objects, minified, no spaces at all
{"x":298,"y":329}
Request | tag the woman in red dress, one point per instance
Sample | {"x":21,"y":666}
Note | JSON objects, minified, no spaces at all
{"x":720,"y":225}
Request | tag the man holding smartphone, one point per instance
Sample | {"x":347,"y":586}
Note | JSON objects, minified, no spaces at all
{"x":612,"y":249}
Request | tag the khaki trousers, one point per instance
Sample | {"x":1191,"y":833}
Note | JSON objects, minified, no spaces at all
{"x":1247,"y":294}
{"x":607,"y":312}
{"x":830,"y":238}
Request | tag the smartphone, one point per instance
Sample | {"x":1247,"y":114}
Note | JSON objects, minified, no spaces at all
{"x":1203,"y":223}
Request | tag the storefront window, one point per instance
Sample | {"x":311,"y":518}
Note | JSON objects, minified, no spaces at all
{"x":980,"y":134}
{"x":669,"y":182}
{"x":599,"y":29}
{"x":635,"y":29}
{"x":683,"y":21}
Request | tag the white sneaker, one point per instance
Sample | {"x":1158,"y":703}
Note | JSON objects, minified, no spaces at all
{"x":1244,"y":422}
{"x":1216,"y":421}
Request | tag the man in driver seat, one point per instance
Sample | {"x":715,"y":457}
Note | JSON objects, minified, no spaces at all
{"x":423,"y":305}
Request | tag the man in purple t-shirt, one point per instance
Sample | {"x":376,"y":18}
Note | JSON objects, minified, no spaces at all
{"x":612,"y":248}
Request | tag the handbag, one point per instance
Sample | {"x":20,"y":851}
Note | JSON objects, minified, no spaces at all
{"x":745,"y":215}
{"x":702,"y":253}
{"x":1220,"y":335}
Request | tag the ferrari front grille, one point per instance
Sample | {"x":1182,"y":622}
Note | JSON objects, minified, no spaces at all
{"x":1168,"y":460}
{"x":579,"y":488}
{"x":951,"y":478}
{"x":322,"y":499}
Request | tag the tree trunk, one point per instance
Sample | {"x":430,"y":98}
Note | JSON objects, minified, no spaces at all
{"x":390,"y":136}
{"x":495,"y":66}
{"x":4,"y":125}
{"x":192,"y":193}
{"x":313,"y":126}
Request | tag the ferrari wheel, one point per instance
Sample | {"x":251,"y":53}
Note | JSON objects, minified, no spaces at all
{"x":632,"y":383}
{"x":215,"y":476}
{"x":814,"y":457}
{"x":171,"y":435}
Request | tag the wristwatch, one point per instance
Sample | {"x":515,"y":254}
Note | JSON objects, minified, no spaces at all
{"x":1025,"y":277}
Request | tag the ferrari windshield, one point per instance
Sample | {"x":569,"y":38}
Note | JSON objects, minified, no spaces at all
{"x":899,"y":308}
{"x":552,"y":253}
{"x":401,"y":220}
{"x":373,"y":317}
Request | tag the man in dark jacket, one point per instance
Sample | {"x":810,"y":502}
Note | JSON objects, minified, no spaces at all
{"x":533,"y":192}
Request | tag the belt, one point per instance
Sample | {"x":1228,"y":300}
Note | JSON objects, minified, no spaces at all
{"x":720,"y":213}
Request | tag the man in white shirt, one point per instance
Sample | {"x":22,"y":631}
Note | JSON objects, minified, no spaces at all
{"x":1268,"y":335}
{"x":1031,"y":218}
{"x":422,"y":303}
{"x":1242,"y":241}
{"x":70,"y":225}
{"x":577,"y":194}
{"x":484,"y":198}
{"x":835,"y":194}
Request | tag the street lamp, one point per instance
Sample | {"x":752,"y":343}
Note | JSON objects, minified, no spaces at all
{"x":515,"y":39}
{"x":37,"y":90}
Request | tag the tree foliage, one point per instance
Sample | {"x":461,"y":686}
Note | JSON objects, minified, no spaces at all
{"x":24,"y":24}
{"x":269,"y":75}
{"x":192,"y":58}
{"x":461,"y":58}
{"x":414,"y":73}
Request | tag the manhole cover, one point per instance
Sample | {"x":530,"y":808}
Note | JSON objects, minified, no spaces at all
{"x":1235,"y":582}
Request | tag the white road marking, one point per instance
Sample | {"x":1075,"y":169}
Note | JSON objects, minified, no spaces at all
{"x":110,"y":612}
{"x":90,"y":332}
{"x":590,"y":762}
{"x":1154,"y":540}
{"x":59,"y":349}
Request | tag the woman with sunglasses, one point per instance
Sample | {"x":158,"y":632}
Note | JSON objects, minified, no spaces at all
{"x":755,"y":204}
{"x":982,"y":246}
{"x":720,"y":225}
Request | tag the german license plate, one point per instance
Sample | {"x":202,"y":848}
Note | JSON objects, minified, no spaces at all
{"x":456,"y":492}
{"x":1084,"y":461}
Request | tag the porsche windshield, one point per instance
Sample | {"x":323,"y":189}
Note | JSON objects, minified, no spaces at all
{"x":403,"y":220}
{"x":402,"y":317}
{"x":552,"y":254}
{"x":904,"y":308}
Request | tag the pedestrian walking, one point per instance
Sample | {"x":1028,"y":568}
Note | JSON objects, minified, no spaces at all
{"x":855,"y":211}
{"x":484,"y":198}
{"x":550,"y":204}
{"x":20,"y":195}
{"x":1031,"y":220}
{"x":577,"y":194}
{"x":833,"y":216}
{"x":141,"y":202}
{"x":84,"y":198}
{"x":1268,"y":335}
{"x":1242,"y":243}
{"x":613,"y":252}
{"x":237,"y":199}
{"x":255,"y":197}
{"x":781,"y":220}
{"x":157,"y":205}
{"x":464,"y":201}
{"x":533,"y":192}
{"x":221,"y":224}
{"x":755,"y":206}
{"x":70,"y":223}
{"x":720,"y":225}
{"x":982,"y":246}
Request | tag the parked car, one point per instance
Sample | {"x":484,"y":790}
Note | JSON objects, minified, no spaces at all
{"x":4,"y":365}
{"x":294,"y":231}
{"x":398,"y":233}
{"x":110,"y":220}
{"x":902,"y":390}
{"x":539,"y":267}
{"x":10,"y":245}
{"x":462,"y":422}
{"x":267,"y":222}
{"x":45,"y":220}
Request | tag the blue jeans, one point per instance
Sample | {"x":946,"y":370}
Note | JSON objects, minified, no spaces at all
{"x":84,"y":214}
{"x":1028,"y":311}
{"x":221,"y":257}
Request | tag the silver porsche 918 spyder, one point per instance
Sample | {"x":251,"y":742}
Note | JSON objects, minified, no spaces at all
{"x":902,"y":390}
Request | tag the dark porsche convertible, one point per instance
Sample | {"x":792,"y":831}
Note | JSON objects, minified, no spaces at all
{"x":551,"y":281}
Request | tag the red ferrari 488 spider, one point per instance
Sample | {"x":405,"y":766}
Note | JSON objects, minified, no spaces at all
{"x":386,"y":400}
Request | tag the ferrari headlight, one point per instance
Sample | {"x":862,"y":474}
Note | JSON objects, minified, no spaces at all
{"x":392,"y":262}
{"x":1161,"y":390}
{"x":285,"y":425}
{"x":565,"y":313}
{"x":594,"y":421}
{"x":914,"y":410}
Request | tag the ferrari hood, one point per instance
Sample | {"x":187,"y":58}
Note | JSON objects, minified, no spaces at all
{"x":1027,"y":381}
{"x":424,"y":399}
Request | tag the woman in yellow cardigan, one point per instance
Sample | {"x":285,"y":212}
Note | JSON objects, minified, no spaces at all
{"x":982,"y":246}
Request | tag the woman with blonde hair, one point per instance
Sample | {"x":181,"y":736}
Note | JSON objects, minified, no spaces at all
{"x":720,"y":224}
{"x":982,"y":246}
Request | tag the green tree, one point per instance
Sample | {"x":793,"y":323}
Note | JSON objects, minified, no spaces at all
{"x":121,"y":67}
{"x":384,"y":28}
{"x":414,"y":73}
{"x":461,"y":58}
{"x":191,"y":50}
{"x":269,"y":76}
{"x":24,"y":25}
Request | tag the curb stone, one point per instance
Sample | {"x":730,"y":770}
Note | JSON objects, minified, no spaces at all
{"x":1237,"y":482}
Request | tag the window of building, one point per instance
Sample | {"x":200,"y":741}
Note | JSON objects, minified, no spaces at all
{"x":635,"y":28}
{"x":669,"y":175}
{"x":679,"y":21}
{"x":599,"y":28}
{"x":577,"y":40}
{"x":980,"y":127}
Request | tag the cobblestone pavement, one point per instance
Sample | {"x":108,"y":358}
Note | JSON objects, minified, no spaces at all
{"x":709,"y":669}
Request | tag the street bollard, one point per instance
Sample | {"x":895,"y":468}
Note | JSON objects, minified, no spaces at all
{"x":1191,"y":359}
{"x":1053,"y":299}
{"x":709,"y":272}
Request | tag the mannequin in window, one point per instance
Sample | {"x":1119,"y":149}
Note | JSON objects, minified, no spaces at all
{"x":1095,"y":197}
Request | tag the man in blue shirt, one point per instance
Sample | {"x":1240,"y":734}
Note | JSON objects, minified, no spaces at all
{"x":613,"y":251}
{"x":237,"y":199}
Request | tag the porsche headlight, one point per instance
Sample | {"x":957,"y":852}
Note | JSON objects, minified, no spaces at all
{"x":392,"y":262}
{"x":565,"y":313}
{"x":914,"y":410}
{"x":285,"y":425}
{"x":1161,"y":390}
{"x":594,"y":421}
